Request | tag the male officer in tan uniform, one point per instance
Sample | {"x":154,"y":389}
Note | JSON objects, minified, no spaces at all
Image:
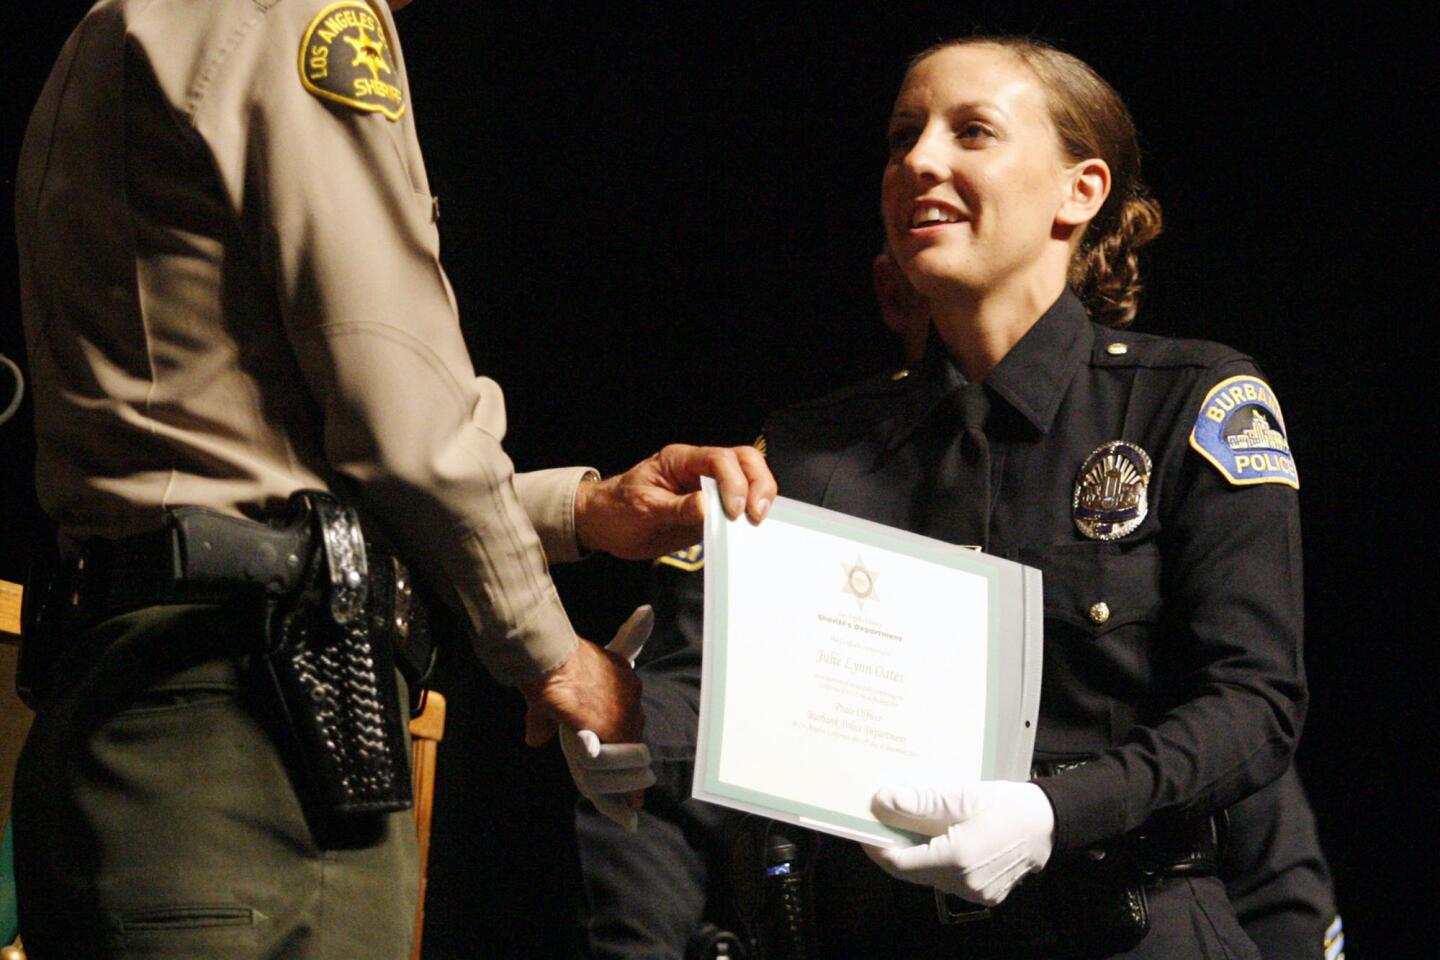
{"x":232,"y":291}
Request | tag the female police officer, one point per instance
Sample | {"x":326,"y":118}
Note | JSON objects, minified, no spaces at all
{"x":1150,"y":479}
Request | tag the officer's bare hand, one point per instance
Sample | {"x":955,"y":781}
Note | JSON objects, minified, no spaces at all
{"x":613,"y":775}
{"x":596,"y":689}
{"x":655,"y":506}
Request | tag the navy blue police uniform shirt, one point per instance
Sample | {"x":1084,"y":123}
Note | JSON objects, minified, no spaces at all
{"x":1172,"y":650}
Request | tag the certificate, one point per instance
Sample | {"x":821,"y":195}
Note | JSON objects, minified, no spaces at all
{"x":841,"y":655}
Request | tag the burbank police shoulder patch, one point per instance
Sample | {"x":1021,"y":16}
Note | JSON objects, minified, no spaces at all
{"x":1241,"y":430}
{"x":1112,"y":491}
{"x":690,"y":559}
{"x":347,"y":58}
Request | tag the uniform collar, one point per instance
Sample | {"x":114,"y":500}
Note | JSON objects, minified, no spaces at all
{"x":1031,"y":379}
{"x":1036,"y":372}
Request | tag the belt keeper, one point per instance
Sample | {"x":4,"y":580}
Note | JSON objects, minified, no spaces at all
{"x":950,"y":916}
{"x":345,"y":556}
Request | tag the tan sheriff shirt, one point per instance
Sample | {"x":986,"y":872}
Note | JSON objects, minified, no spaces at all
{"x":232,"y":290}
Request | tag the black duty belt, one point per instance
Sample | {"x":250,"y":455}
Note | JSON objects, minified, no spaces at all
{"x":204,"y":557}
{"x":1097,"y":896}
{"x":1094,"y":900}
{"x":340,"y":614}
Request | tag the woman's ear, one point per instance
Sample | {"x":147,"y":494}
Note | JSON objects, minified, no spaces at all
{"x":1088,"y":186}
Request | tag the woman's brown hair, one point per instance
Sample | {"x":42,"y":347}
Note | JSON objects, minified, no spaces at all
{"x":1092,"y":121}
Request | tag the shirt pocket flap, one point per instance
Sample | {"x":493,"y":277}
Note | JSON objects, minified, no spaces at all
{"x":1097,"y":587}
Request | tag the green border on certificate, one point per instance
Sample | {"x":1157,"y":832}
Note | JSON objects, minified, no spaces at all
{"x":1011,"y":683}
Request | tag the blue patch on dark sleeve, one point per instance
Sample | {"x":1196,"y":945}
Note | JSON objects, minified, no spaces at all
{"x":1241,"y":430}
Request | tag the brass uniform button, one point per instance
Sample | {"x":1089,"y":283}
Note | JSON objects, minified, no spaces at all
{"x":899,"y":374}
{"x":1117,"y":349}
{"x":1100,"y":613}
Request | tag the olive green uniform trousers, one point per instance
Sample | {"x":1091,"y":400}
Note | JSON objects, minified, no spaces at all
{"x":156,"y":814}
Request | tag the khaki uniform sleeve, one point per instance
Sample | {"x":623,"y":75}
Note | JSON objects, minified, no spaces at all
{"x":548,"y":497}
{"x":335,"y":202}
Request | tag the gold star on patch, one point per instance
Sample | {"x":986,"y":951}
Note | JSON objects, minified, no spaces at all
{"x":369,"y":52}
{"x":860,"y":582}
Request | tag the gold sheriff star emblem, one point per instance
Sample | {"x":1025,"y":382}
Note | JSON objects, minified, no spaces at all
{"x":369,"y":52}
{"x":860,"y":582}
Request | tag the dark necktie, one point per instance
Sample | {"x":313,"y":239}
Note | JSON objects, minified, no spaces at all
{"x":959,"y":508}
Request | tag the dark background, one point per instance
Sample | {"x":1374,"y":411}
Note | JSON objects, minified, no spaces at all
{"x":659,"y":226}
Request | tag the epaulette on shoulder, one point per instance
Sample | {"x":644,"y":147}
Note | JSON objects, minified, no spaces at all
{"x":1125,"y":348}
{"x":879,"y":386}
{"x":842,"y":412}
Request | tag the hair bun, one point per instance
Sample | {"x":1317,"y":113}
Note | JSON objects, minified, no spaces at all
{"x":1106,"y":273}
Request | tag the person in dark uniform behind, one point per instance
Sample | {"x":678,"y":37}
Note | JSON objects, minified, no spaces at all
{"x":1149,"y":479}
{"x":241,"y":341}
{"x":1277,"y":876}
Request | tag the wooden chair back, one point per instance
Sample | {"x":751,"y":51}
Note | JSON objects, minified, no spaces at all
{"x":427,"y":729}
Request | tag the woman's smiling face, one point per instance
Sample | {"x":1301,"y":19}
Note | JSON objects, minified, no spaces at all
{"x":976,"y":175}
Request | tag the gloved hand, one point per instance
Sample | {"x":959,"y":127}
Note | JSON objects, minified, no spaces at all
{"x":613,"y":775}
{"x":987,"y":835}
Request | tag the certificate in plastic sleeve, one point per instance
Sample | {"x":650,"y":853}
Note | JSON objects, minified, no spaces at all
{"x":842,"y":655}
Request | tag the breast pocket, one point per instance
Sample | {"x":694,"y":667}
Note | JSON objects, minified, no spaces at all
{"x":1096,"y":588}
{"x":1103,"y":603}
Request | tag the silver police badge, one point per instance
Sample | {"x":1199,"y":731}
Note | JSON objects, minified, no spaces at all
{"x":1110,"y":491}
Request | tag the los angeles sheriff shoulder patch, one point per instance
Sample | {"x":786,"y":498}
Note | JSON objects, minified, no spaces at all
{"x":347,"y":58}
{"x":1241,"y":431}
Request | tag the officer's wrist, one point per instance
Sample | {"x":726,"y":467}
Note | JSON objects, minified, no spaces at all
{"x":585,"y":492}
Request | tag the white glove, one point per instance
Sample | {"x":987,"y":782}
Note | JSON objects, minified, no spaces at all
{"x":987,"y":836}
{"x":605,"y":773}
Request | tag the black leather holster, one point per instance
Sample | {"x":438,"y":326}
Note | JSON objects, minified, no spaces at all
{"x":330,"y":655}
{"x":341,"y":615}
